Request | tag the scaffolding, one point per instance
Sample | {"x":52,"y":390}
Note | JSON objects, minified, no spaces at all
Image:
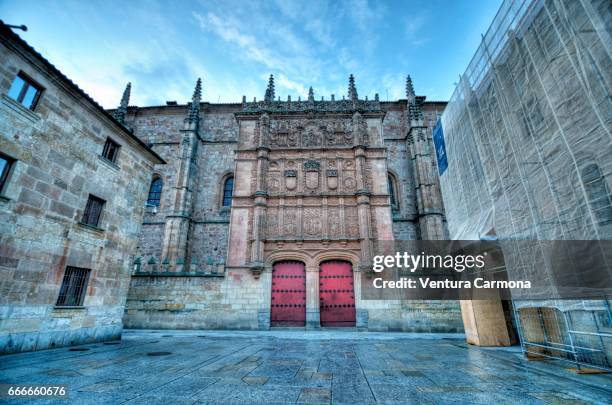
{"x":529,"y":150}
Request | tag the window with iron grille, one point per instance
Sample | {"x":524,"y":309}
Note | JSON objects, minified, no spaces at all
{"x":93,"y":209}
{"x":111,"y":150}
{"x":74,"y":287}
{"x":228,"y":189}
{"x":25,"y":91}
{"x":155,"y":191}
{"x":6,"y":164}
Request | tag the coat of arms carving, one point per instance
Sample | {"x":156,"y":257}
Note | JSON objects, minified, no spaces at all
{"x":312,"y":169}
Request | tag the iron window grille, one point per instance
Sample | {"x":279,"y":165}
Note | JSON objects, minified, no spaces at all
{"x":74,"y":286}
{"x":228,"y":190}
{"x":111,"y":150}
{"x":155,"y":192}
{"x":25,"y":91}
{"x":93,"y":209}
{"x":6,"y":164}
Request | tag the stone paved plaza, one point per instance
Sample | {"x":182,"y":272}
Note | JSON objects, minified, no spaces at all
{"x":185,"y":367}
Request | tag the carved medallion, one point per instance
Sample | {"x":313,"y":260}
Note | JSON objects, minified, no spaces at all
{"x":349,"y":184}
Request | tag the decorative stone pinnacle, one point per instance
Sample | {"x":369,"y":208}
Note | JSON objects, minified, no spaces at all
{"x":414,"y":108}
{"x":409,"y":89}
{"x":269,"y":96}
{"x":310,"y":94}
{"x":121,"y":111}
{"x":352,"y":90}
{"x":193,"y":112}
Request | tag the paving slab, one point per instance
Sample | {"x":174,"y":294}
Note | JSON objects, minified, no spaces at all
{"x":318,"y":367}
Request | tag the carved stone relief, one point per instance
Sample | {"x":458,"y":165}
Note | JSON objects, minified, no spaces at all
{"x":309,"y":133}
{"x":312,"y":221}
{"x":352,"y":222}
{"x":332,"y":179}
{"x":290,"y":227}
{"x":272,"y":221}
{"x":274,"y":182}
{"x":334,"y":219}
{"x":311,"y":175}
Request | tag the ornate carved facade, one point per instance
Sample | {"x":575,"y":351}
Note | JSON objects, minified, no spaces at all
{"x":310,"y":184}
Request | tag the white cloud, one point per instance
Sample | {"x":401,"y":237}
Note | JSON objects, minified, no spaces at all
{"x":289,"y":84}
{"x":414,"y":28}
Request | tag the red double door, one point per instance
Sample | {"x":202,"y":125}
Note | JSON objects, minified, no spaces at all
{"x":336,"y":294}
{"x":288,"y":294}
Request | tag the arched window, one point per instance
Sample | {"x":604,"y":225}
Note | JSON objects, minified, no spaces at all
{"x":155,"y":191}
{"x":597,"y":193}
{"x":391,"y":183}
{"x":228,"y":190}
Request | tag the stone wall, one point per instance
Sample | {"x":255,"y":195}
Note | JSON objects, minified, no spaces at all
{"x":57,"y":149}
{"x":227,"y":295}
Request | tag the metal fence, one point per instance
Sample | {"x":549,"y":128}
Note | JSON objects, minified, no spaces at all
{"x":583,"y":337}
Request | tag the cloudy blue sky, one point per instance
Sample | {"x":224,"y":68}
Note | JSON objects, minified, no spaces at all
{"x":163,"y":46}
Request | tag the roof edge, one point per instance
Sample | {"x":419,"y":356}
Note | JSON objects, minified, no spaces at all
{"x":6,"y":32}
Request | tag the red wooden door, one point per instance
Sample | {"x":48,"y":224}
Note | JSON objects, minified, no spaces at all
{"x":336,"y":294}
{"x":288,"y":294}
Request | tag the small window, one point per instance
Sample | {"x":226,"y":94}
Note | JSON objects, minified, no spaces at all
{"x":155,"y":192}
{"x":392,"y":191}
{"x":74,"y":286}
{"x":228,"y":190}
{"x":111,"y":150}
{"x":6,"y":164}
{"x":93,"y":209}
{"x":25,"y":91}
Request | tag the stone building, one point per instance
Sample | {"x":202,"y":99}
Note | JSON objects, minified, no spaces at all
{"x":267,"y":211}
{"x":73,"y":182}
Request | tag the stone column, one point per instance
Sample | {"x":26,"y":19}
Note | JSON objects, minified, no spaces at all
{"x":261,"y":201}
{"x":429,"y":201}
{"x":177,"y":228}
{"x":363,"y":207}
{"x":313,"y":319}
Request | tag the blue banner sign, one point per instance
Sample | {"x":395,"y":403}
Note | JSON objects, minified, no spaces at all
{"x":438,"y":138}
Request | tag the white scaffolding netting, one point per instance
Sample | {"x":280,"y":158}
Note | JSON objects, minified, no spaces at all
{"x":529,"y":151}
{"x":527,"y":130}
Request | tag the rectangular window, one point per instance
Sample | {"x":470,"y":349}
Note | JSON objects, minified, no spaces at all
{"x":93,"y":209}
{"x":74,"y":286}
{"x":25,"y":91}
{"x":111,"y":150}
{"x":6,"y":164}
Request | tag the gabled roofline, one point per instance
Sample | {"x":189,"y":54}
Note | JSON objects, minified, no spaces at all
{"x":7,"y":35}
